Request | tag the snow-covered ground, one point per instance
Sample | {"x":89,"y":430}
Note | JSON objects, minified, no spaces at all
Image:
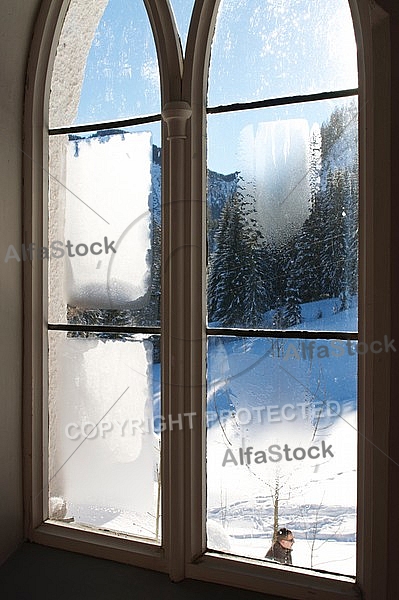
{"x":278,"y":398}
{"x":260,"y":394}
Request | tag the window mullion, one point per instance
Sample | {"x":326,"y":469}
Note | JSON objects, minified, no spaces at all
{"x":175,"y":338}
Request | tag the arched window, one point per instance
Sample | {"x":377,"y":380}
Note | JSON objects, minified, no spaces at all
{"x":199,"y":241}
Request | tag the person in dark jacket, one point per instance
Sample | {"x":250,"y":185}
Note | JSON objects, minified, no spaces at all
{"x":281,"y":550}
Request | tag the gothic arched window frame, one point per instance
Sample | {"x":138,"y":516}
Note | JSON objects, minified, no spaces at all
{"x":184,"y":113}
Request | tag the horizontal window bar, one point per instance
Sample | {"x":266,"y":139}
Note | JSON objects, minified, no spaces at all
{"x":105,"y":125}
{"x":102,"y":328}
{"x":273,"y":333}
{"x":211,"y":110}
{"x":281,"y":101}
{"x":277,"y":333}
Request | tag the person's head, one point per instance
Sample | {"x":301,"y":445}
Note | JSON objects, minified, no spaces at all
{"x":285,"y":538}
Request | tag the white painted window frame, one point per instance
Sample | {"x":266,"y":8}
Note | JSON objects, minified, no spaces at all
{"x":184,"y":83}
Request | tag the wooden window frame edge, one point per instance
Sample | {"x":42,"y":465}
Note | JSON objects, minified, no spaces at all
{"x":272,"y":579}
{"x":42,"y":52}
{"x":373,"y":38}
{"x":105,"y":545}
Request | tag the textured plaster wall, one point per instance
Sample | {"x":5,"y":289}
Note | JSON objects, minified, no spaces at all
{"x":73,"y":48}
{"x":75,"y":41}
{"x":16,"y":26}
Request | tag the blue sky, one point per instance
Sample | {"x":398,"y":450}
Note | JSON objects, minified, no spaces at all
{"x":261,"y":49}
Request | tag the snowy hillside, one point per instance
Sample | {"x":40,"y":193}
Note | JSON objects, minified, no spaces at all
{"x":261,"y":395}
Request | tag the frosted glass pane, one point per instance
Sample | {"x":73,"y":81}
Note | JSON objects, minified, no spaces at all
{"x":103,"y":446}
{"x":182,"y":11}
{"x":265,"y":49}
{"x":283,"y":217}
{"x":282,"y":440}
{"x":105,"y":201}
{"x":106,"y":65}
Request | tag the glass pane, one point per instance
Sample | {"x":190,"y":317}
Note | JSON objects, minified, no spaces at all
{"x":282,"y":449}
{"x":182,"y":10}
{"x":283,"y":217}
{"x":104,"y":227}
{"x":106,"y":65}
{"x":270,"y":49}
{"x":104,"y":394}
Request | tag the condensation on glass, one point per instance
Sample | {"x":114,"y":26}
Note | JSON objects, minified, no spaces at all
{"x":104,"y":452}
{"x":104,"y":226}
{"x":269,"y":49}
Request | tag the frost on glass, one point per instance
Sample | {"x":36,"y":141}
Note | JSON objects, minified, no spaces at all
{"x":106,"y":64}
{"x":104,"y":228}
{"x":266,"y":49}
{"x":283,"y":217}
{"x":182,"y":11}
{"x":103,"y":447}
{"x":282,"y":448}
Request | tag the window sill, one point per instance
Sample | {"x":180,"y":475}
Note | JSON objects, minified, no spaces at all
{"x":253,"y":575}
{"x":107,"y":545}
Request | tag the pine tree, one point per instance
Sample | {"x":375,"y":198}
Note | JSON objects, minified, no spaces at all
{"x":309,"y":247}
{"x":339,"y":252}
{"x":350,"y":239}
{"x":276,"y":273}
{"x":314,"y":163}
{"x":236,"y":286}
{"x":326,"y":253}
{"x":223,"y":262}
{"x":292,"y":314}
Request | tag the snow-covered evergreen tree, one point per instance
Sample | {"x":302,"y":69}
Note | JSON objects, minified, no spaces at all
{"x":292,"y":314}
{"x":325,"y":253}
{"x":237,"y":291}
{"x":340,"y":251}
{"x":350,"y":231}
{"x":220,"y":188}
{"x":314,"y":163}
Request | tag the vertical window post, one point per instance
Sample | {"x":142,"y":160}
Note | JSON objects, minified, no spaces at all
{"x":176,"y":115}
